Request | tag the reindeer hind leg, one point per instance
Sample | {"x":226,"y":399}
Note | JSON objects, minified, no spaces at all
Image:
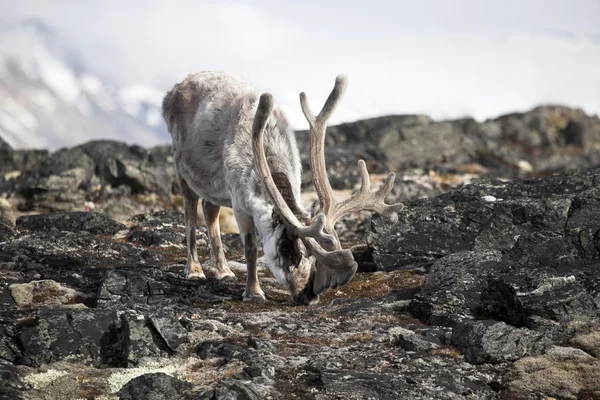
{"x":193,"y":268}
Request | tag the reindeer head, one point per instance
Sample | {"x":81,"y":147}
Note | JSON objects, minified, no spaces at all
{"x":316,"y":259}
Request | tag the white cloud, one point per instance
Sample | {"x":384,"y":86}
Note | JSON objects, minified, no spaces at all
{"x":445,"y":59}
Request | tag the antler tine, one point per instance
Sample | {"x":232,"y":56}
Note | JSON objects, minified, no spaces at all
{"x":341,"y":82}
{"x":365,"y":199}
{"x":315,"y":230}
{"x":317,"y":140}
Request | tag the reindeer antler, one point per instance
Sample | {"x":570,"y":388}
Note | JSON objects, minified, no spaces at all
{"x":364,"y":199}
{"x":312,"y":235}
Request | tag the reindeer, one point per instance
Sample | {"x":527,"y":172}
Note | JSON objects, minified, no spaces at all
{"x":234,"y":148}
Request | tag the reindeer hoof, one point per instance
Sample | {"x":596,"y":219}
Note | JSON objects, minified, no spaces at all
{"x":258,"y":297}
{"x":229,"y":278}
{"x":224,"y":274}
{"x":196,"y":275}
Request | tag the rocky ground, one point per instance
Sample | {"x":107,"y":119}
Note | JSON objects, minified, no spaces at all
{"x":484,"y":291}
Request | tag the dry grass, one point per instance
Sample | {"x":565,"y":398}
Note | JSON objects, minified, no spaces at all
{"x":373,"y":285}
{"x":448,"y":351}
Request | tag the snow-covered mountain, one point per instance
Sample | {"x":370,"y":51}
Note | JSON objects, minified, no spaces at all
{"x":50,"y":98}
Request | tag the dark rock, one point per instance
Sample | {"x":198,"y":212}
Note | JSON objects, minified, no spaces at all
{"x":75,"y":221}
{"x":158,"y":219}
{"x":63,"y":191}
{"x":453,"y":287}
{"x":6,"y":229}
{"x":142,"y":340}
{"x":539,"y":298}
{"x":453,"y":378}
{"x":524,"y":252}
{"x":163,"y":228}
{"x":18,"y":160}
{"x":54,"y":334}
{"x":364,"y":258}
{"x":62,"y":251}
{"x":170,"y":330}
{"x":156,"y":386}
{"x":212,"y":349}
{"x":64,"y":160}
{"x":119,"y":164}
{"x":495,"y":342}
{"x":411,"y":341}
{"x":230,"y":389}
{"x":11,"y":385}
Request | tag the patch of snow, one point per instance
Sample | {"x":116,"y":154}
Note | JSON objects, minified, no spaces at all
{"x":11,"y":124}
{"x":19,"y":141}
{"x":45,"y":99}
{"x":26,"y":119}
{"x":57,"y":76}
{"x":133,"y":98}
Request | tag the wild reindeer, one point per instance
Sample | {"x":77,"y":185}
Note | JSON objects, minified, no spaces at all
{"x":234,"y":149}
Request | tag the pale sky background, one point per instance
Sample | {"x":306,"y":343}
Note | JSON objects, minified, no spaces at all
{"x":443,"y":58}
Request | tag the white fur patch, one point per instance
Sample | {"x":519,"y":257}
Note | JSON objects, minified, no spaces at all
{"x":271,"y":257}
{"x":270,"y":238}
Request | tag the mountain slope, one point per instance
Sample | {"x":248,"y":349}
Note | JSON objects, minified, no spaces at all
{"x":49,"y":98}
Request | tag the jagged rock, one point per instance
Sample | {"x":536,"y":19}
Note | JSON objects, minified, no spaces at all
{"x":158,"y":219}
{"x":548,"y":138}
{"x":170,"y":330}
{"x":54,"y":192}
{"x":75,"y":221}
{"x":11,"y":384}
{"x":119,"y":164}
{"x":67,"y":159}
{"x":141,"y":342}
{"x":157,"y":386}
{"x":79,"y":252}
{"x":232,"y":241}
{"x":163,"y":228}
{"x":411,"y":341}
{"x":6,"y":229}
{"x":94,"y":172}
{"x":495,"y":342}
{"x":87,"y":335}
{"x":18,"y":160}
{"x":229,"y":389}
{"x":453,"y":287}
{"x":121,"y":288}
{"x":523,"y":252}
{"x":212,"y":349}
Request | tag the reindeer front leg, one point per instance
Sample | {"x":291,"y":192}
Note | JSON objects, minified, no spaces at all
{"x":253,"y":291}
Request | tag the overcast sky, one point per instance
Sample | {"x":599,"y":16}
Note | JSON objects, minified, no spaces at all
{"x":443,"y":58}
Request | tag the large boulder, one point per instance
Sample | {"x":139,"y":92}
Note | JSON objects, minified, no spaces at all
{"x":523,"y":252}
